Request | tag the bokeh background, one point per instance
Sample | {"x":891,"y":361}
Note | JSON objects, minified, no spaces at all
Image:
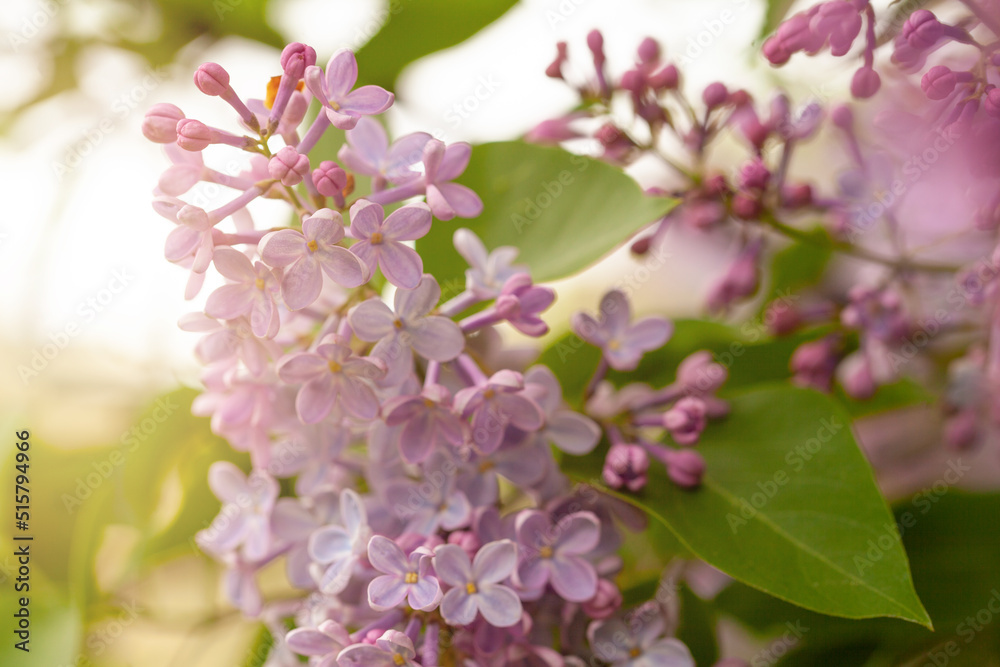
{"x":94,"y":365}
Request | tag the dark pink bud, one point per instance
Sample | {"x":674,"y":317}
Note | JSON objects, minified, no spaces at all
{"x":865,"y":83}
{"x":715,"y":95}
{"x":991,"y":102}
{"x":595,"y":42}
{"x":796,"y":195}
{"x":193,"y":135}
{"x":782,"y":318}
{"x":466,"y":539}
{"x":625,"y":466}
{"x":686,"y":420}
{"x":746,"y":206}
{"x":606,"y":601}
{"x":796,"y":34}
{"x":922,"y":30}
{"x":553,"y":131}
{"x":814,"y":363}
{"x":754,"y":175}
{"x":842,"y":117}
{"x":160,"y":123}
{"x":649,"y":50}
{"x":633,"y":81}
{"x":212,"y":79}
{"x":699,"y":373}
{"x":288,"y":166}
{"x":295,"y":58}
{"x":554,"y":70}
{"x":666,"y":78}
{"x":641,"y":246}
{"x":329,"y":178}
{"x":858,"y":380}
{"x":776,"y":53}
{"x":938,"y":82}
{"x":685,"y":468}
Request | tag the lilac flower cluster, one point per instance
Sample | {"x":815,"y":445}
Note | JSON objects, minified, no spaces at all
{"x":911,"y":219}
{"x":402,"y":466}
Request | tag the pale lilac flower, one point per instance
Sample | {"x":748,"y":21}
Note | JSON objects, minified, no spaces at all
{"x":332,"y":375}
{"x":428,"y":422}
{"x":476,"y":586}
{"x":193,"y":235}
{"x":230,"y":341}
{"x":488,"y":271}
{"x":520,"y":302}
{"x":494,"y":405}
{"x":392,"y":649}
{"x":441,"y":166}
{"x":406,"y":328}
{"x":402,"y":578}
{"x":244,"y":520}
{"x":436,"y":504}
{"x":568,"y":430}
{"x":323,"y":643}
{"x":186,"y":170}
{"x":342,"y":106}
{"x":293,"y":521}
{"x":622,"y":342}
{"x":336,"y":549}
{"x":553,"y":553}
{"x":380,"y":240}
{"x":305,"y":256}
{"x":250,"y":292}
{"x":615,"y":642}
{"x":368,"y":152}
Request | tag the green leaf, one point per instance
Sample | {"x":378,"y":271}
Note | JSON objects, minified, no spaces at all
{"x":799,"y":265}
{"x":563,"y":211}
{"x":415,"y":29}
{"x":697,"y":628}
{"x":789,"y":505}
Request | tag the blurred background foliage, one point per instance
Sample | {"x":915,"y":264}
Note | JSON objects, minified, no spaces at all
{"x":116,"y":579}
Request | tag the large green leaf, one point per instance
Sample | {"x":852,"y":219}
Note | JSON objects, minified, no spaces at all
{"x":789,"y":505}
{"x":563,"y":211}
{"x":416,"y":28}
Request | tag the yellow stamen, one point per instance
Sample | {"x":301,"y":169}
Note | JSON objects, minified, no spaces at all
{"x":398,"y":659}
{"x":470,"y":588}
{"x":486,"y":466}
{"x":411,"y":578}
{"x":428,"y":403}
{"x":488,"y":394}
{"x":545,"y":552}
{"x":376,"y":238}
{"x":614,"y":344}
{"x":259,"y":283}
{"x":397,"y":323}
{"x":272,"y":90}
{"x":313,"y":246}
{"x":635,"y":653}
{"x":334,"y":367}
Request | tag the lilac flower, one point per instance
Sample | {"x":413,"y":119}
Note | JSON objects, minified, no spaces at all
{"x":402,"y":577}
{"x":293,"y":521}
{"x":614,"y":642}
{"x":336,"y":549}
{"x":344,"y":107}
{"x":520,"y":303}
{"x":186,"y":170}
{"x":432,"y":505}
{"x":570,"y":431}
{"x":330,"y":376}
{"x":368,"y":152}
{"x":323,"y":643}
{"x":305,"y":256}
{"x":441,"y":166}
{"x":476,"y":586}
{"x":392,"y":649}
{"x":245,"y":518}
{"x":251,"y":291}
{"x":622,"y":342}
{"x":552,"y":554}
{"x":427,"y":421}
{"x":230,"y":342}
{"x":380,"y":240}
{"x":193,"y":235}
{"x":494,"y":405}
{"x":407,"y":327}
{"x":487,"y":272}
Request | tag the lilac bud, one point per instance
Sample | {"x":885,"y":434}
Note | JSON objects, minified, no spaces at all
{"x":781,"y":318}
{"x":686,"y":420}
{"x":991,"y":102}
{"x":796,"y":195}
{"x":938,"y":82}
{"x":746,"y":206}
{"x":329,"y":179}
{"x":288,"y":166}
{"x":649,"y":50}
{"x":466,"y":539}
{"x":814,"y":363}
{"x":212,"y":79}
{"x":715,"y":95}
{"x":633,"y":81}
{"x":160,"y":123}
{"x":193,"y":135}
{"x":595,"y":42}
{"x":554,"y":70}
{"x":666,"y":78}
{"x":553,"y":130}
{"x":775,"y":51}
{"x":625,"y":466}
{"x":295,"y":58}
{"x":865,"y":83}
{"x":922,"y":30}
{"x":685,"y":468}
{"x":699,"y":373}
{"x":856,"y":376}
{"x":606,"y":601}
{"x":754,"y":175}
{"x":842,"y":117}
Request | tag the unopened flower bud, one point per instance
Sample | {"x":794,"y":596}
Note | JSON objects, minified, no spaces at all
{"x":160,"y":123}
{"x":685,"y":468}
{"x":606,"y":601}
{"x":288,"y":166}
